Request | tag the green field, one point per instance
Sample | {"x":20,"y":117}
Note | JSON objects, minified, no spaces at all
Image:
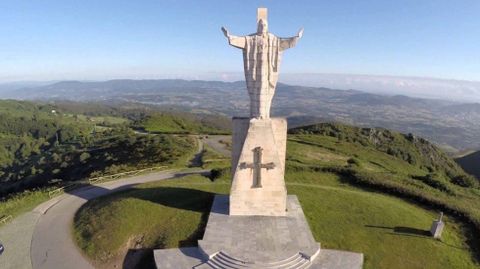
{"x":212,"y":159}
{"x":390,"y":232}
{"x":182,"y":123}
{"x":172,"y":213}
{"x":341,"y":183}
{"x":23,"y":202}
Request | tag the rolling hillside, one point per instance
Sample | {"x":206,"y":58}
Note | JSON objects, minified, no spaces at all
{"x":399,"y":164}
{"x":366,"y":190}
{"x":184,"y":123}
{"x":44,"y":145}
{"x":453,"y":125}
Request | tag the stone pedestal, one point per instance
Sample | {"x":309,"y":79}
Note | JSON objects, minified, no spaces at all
{"x":248,"y":196}
{"x":258,"y":226}
{"x":257,"y":242}
{"x":437,"y":228}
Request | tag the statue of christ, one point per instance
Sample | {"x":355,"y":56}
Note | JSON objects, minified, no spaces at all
{"x":262,"y":52}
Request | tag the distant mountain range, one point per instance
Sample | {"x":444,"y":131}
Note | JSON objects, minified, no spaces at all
{"x":453,"y":125}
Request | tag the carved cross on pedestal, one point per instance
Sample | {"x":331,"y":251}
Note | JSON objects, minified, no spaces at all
{"x":257,"y":166}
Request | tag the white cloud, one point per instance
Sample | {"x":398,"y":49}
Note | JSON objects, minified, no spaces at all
{"x":460,"y":90}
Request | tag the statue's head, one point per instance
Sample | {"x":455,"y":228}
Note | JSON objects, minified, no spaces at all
{"x":262,"y":27}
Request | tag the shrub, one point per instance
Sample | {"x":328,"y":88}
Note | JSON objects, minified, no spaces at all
{"x":465,"y":181}
{"x":353,"y":161}
{"x":434,"y":180}
{"x":216,"y":173}
{"x":84,"y":157}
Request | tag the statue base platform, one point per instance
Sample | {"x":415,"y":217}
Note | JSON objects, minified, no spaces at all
{"x":257,"y":242}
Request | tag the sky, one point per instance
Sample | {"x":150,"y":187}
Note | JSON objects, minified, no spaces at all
{"x":96,"y":40}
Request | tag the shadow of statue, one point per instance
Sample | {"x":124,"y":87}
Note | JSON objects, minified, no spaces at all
{"x":175,"y":197}
{"x":401,"y":230}
{"x":412,"y":231}
{"x":139,"y":259}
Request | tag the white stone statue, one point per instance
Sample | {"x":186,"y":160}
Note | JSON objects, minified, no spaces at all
{"x":262,"y":53}
{"x":259,"y":142}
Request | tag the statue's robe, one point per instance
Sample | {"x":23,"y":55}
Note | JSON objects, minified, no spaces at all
{"x":261,"y":56}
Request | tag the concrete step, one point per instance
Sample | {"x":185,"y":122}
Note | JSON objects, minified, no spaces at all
{"x":224,"y":261}
{"x":223,"y":257}
{"x":287,"y":262}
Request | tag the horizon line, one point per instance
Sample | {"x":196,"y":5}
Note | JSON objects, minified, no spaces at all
{"x":189,"y":77}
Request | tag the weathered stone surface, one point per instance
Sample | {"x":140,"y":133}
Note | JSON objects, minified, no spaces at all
{"x":258,"y":225}
{"x":337,"y":259}
{"x":258,"y":239}
{"x":262,"y":54}
{"x":178,"y":258}
{"x":262,"y":13}
{"x":258,"y":155}
{"x":246,"y":197}
{"x":244,"y":242}
{"x":437,"y":228}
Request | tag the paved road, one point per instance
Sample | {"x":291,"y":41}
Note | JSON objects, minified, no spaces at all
{"x":42,"y":238}
{"x":197,"y":159}
{"x":16,"y":237}
{"x":214,"y":142}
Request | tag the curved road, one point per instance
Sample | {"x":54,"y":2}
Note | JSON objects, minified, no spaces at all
{"x":43,"y":239}
{"x":214,"y":142}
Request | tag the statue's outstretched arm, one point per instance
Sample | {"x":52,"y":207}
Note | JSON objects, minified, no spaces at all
{"x":290,"y":42}
{"x":236,"y":41}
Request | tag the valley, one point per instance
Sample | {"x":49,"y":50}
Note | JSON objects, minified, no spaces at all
{"x":453,"y":126}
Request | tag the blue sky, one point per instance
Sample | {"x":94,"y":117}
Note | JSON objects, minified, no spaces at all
{"x":51,"y":40}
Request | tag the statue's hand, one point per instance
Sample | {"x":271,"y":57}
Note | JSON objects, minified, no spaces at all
{"x":225,"y":32}
{"x":300,"y":33}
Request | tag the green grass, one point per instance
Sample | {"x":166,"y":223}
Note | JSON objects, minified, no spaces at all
{"x":340,"y":177}
{"x":22,"y":202}
{"x":178,"y":124}
{"x":166,"y":214}
{"x":25,"y":201}
{"x":212,"y":159}
{"x":387,"y":173}
{"x":172,"y":213}
{"x":103,"y":120}
{"x":389,"y":231}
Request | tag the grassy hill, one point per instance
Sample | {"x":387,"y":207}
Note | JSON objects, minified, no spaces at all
{"x":173,"y":213}
{"x":400,"y":164}
{"x":447,"y":123}
{"x":470,"y":163}
{"x":64,"y":141}
{"x":367,"y":190}
{"x":184,"y":123}
{"x":42,"y":145}
{"x":421,"y":156}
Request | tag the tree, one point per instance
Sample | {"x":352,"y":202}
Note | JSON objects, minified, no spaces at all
{"x":466,"y":181}
{"x":84,"y":157}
